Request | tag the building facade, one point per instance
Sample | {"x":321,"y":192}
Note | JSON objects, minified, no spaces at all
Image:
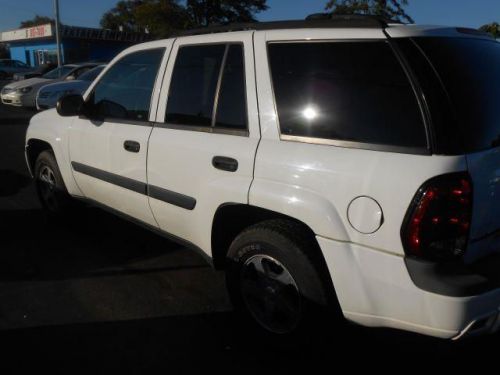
{"x":37,"y":45}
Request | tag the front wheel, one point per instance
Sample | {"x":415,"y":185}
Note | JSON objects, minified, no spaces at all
{"x":50,"y":186}
{"x":275,"y":283}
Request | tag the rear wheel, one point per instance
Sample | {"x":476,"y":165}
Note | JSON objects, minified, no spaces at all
{"x":3,"y":76}
{"x":50,"y":186}
{"x":275,"y":284}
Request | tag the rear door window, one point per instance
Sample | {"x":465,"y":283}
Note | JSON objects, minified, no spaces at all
{"x":194,"y":84}
{"x":345,"y":91}
{"x":470,"y":71}
{"x":208,"y":88}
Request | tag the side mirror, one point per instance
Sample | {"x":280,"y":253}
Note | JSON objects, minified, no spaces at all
{"x":70,"y":105}
{"x":70,"y":78}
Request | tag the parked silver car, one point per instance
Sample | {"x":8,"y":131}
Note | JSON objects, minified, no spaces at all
{"x":48,"y":95}
{"x":23,"y":93}
{"x":8,"y":67}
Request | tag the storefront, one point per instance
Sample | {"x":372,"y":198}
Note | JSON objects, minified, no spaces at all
{"x":37,"y":45}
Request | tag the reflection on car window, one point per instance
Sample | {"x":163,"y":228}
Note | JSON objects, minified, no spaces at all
{"x":232,"y":106}
{"x":473,"y":84}
{"x":58,"y":72}
{"x":91,"y":74}
{"x":124,"y":92}
{"x":193,"y":89}
{"x":347,"y":91}
{"x":193,"y":86}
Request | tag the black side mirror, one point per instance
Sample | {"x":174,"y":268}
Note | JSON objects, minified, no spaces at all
{"x":70,"y":105}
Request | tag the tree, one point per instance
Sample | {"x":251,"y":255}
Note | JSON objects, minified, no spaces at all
{"x":158,"y":17}
{"x":492,"y":28}
{"x":122,"y":16}
{"x":206,"y":12}
{"x":390,"y":9}
{"x":162,"y":17}
{"x":36,"y":21}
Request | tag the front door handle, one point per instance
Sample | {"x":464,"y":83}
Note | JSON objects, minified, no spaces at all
{"x":132,"y":146}
{"x":224,"y":163}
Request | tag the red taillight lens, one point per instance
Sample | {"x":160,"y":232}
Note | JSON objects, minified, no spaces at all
{"x":437,"y":223}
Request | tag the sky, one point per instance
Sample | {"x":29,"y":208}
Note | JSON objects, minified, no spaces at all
{"x":468,"y":13}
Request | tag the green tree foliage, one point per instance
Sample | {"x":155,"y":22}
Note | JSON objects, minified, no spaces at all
{"x":159,"y":17}
{"x":36,"y":21}
{"x":492,"y":28}
{"x":206,"y":12}
{"x":390,"y":9}
{"x":162,"y":17}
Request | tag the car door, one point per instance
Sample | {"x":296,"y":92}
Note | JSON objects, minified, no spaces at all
{"x":108,"y":146}
{"x":202,"y":148}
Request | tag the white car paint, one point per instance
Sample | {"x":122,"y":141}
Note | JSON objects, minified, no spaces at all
{"x":314,"y":183}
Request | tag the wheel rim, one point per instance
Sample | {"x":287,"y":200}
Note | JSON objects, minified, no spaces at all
{"x":47,"y":187}
{"x":271,"y":294}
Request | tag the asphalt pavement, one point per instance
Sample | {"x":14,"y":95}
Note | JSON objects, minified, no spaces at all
{"x":100,"y":295}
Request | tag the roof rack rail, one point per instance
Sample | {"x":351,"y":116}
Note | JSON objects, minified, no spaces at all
{"x":318,"y":20}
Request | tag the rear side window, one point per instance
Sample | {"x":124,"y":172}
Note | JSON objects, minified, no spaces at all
{"x":194,"y":84}
{"x":125,"y":90}
{"x":208,"y":87}
{"x":345,"y":91}
{"x":470,"y":71}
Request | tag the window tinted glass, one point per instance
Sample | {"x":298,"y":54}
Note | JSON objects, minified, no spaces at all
{"x":470,"y":71}
{"x":193,"y":86}
{"x":78,"y":72}
{"x":231,"y":109}
{"x":350,"y":91}
{"x":91,"y":74}
{"x":126,"y":88}
{"x":58,"y":72}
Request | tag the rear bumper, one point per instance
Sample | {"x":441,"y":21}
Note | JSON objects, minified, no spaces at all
{"x":375,"y":289}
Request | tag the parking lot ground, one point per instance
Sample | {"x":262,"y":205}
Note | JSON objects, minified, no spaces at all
{"x":97,"y":294}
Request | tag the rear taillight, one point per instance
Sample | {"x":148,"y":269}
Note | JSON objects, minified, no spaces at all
{"x":438,"y":220}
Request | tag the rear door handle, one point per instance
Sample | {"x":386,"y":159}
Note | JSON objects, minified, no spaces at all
{"x":224,"y":163}
{"x":132,"y":146}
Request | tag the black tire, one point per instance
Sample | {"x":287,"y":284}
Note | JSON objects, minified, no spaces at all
{"x":3,"y":76}
{"x":50,"y":187}
{"x":298,"y":295}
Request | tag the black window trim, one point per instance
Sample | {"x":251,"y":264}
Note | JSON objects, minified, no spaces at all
{"x":212,"y":128}
{"x":353,"y":144}
{"x":124,"y":121}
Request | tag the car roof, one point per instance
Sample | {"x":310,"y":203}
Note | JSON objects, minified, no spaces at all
{"x":328,"y":21}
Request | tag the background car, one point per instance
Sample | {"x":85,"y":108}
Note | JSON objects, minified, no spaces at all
{"x":8,"y":67}
{"x":40,"y":70}
{"x":48,"y":95}
{"x":23,"y":93}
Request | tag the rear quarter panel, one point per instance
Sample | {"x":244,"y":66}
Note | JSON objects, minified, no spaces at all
{"x":316,"y":183}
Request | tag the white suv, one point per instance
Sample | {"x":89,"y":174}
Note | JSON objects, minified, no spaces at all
{"x":328,"y":161}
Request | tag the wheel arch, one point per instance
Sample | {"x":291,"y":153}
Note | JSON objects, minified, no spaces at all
{"x":34,"y":147}
{"x":232,"y":218}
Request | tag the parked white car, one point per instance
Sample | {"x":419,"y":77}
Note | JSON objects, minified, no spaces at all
{"x":338,"y":161}
{"x":48,"y":95}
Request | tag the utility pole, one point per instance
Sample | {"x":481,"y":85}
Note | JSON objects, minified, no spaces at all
{"x":58,"y":34}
